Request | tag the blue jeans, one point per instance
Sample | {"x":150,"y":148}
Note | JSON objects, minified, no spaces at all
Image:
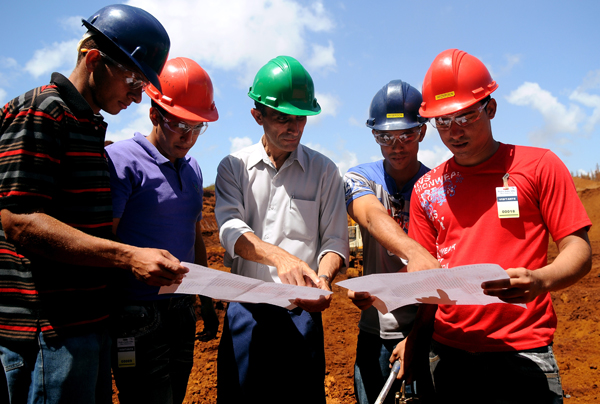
{"x":164,"y":333}
{"x":271,"y":355}
{"x":372,"y":368}
{"x":69,"y":370}
{"x":527,"y":376}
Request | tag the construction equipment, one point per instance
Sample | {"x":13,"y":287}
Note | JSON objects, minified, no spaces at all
{"x":356,"y":244}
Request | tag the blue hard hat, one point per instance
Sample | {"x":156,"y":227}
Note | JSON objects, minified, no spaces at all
{"x":137,"y":33}
{"x":395,"y":107}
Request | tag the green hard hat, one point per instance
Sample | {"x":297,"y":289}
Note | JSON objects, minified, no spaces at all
{"x":285,"y":85}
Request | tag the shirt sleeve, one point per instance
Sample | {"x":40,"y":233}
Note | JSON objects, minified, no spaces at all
{"x":560,"y":205}
{"x":333,"y":223}
{"x":230,"y":211}
{"x":31,"y":132}
{"x":121,"y":178}
{"x":355,"y":186}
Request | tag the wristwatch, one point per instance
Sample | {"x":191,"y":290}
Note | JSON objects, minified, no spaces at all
{"x":326,"y":280}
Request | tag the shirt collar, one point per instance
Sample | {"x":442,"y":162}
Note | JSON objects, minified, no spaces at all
{"x":73,"y":98}
{"x":153,"y":151}
{"x":259,"y":154}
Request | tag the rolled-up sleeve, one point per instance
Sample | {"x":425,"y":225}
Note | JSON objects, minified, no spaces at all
{"x":333,"y":222}
{"x":230,"y":211}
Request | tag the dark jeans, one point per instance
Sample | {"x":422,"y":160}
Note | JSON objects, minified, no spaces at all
{"x":527,"y":377}
{"x":271,"y":355}
{"x":372,"y":368}
{"x":164,"y":333}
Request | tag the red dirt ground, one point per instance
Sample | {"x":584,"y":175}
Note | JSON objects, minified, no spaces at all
{"x":577,"y":339}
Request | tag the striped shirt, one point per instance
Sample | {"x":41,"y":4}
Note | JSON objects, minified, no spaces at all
{"x":52,"y":157}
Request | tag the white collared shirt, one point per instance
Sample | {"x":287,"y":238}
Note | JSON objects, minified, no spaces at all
{"x":299,"y":208}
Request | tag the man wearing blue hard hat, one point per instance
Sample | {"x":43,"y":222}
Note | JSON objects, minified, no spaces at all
{"x":378,"y":199}
{"x":56,"y":254}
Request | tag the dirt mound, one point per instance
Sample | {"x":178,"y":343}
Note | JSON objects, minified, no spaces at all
{"x":576,"y":342}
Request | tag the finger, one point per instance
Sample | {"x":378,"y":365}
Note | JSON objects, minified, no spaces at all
{"x":496,"y":284}
{"x":311,"y":274}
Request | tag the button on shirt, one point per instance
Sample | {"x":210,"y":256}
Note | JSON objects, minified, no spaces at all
{"x":299,"y":208}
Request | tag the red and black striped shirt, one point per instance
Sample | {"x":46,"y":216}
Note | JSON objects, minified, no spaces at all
{"x":52,"y":157}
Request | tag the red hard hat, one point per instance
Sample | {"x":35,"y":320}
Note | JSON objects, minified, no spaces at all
{"x":187,"y":91}
{"x":455,"y":80}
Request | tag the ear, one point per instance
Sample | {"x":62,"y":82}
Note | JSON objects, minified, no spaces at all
{"x":154,"y":118}
{"x":491,"y":108}
{"x":257,"y":116}
{"x":93,"y":59}
{"x":423,"y":131}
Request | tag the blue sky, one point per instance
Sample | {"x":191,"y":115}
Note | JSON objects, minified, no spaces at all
{"x":542,"y":54}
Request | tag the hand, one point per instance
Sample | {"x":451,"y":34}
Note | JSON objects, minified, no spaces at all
{"x":362,"y":300}
{"x":422,"y":261}
{"x":294,"y":271}
{"x":156,"y":267}
{"x":398,"y":355}
{"x":320,"y":304}
{"x":522,"y":286}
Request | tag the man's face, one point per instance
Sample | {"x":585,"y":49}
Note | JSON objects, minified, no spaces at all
{"x":282,"y":131}
{"x":403,"y":155}
{"x":471,"y":144}
{"x":171,"y":135}
{"x":114,"y":86}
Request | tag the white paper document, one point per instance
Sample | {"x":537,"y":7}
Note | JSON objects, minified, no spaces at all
{"x":458,"y":285}
{"x":236,"y":288}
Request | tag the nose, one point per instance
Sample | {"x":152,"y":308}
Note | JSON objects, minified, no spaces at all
{"x":136,"y":95}
{"x":398,"y":145}
{"x":187,"y":138}
{"x":294,"y":126}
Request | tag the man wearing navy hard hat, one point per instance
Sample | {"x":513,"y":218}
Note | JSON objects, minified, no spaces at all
{"x":56,"y":254}
{"x":378,"y":199}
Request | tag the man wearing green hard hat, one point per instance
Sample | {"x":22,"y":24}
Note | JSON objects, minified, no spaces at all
{"x":281,"y":215}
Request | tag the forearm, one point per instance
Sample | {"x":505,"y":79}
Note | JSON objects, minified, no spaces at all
{"x":573,"y":262}
{"x":251,"y":248}
{"x":330,"y":265}
{"x":50,"y":238}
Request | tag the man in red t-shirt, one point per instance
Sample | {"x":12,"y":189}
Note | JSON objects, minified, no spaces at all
{"x":493,"y":203}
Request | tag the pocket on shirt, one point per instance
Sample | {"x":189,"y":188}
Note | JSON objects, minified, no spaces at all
{"x":302,"y":220}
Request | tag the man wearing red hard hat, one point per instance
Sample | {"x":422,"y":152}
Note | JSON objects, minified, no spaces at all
{"x":157,"y":202}
{"x":494,"y":203}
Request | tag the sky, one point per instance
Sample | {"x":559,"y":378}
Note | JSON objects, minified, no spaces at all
{"x":541,"y":53}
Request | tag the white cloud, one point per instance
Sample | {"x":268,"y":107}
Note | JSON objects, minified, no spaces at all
{"x":435,"y":157}
{"x":329,"y":106}
{"x":73,"y":24}
{"x":354,"y":122}
{"x":137,"y":120}
{"x":558,"y":119}
{"x":3,"y":97}
{"x":238,"y":143}
{"x":582,"y":95}
{"x":343,"y":158}
{"x":322,"y":58}
{"x":241,"y":35}
{"x":51,"y":58}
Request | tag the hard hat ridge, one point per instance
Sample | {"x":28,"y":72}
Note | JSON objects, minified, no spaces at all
{"x":455,"y":81}
{"x":395,"y":107}
{"x":284,"y":85}
{"x":136,"y":33}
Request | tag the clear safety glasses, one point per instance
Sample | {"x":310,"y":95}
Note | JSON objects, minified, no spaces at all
{"x":134,"y":81}
{"x":181,"y":127}
{"x":405,"y":137}
{"x":465,"y":119}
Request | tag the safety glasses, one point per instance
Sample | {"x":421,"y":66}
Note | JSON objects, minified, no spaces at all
{"x":465,"y":119}
{"x":405,"y":137}
{"x":134,"y":81}
{"x":181,"y":127}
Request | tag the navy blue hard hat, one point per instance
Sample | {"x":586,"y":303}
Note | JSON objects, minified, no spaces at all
{"x":137,"y":33}
{"x":395,"y":107}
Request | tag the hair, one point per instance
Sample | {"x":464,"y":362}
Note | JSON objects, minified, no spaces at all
{"x":160,"y":109}
{"x":92,"y":40}
{"x":262,"y":108}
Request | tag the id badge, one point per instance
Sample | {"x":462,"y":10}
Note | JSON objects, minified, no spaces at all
{"x":126,"y":352}
{"x":508,"y":202}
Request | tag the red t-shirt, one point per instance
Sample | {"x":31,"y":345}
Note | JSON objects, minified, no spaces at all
{"x":454,"y":215}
